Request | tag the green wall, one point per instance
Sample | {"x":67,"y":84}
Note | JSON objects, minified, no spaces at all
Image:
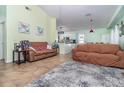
{"x":96,"y":36}
{"x":34,"y":17}
{"x":2,"y":10}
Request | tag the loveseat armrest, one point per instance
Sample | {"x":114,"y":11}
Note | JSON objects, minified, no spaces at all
{"x":121,"y":54}
{"x":74,"y":56}
{"x":30,"y":55}
{"x":56,"y":49}
{"x":74,"y":50}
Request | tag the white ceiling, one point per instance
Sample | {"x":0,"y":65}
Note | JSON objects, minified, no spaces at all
{"x":73,"y":17}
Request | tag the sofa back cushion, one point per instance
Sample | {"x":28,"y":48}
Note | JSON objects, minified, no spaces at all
{"x":99,"y":48}
{"x":39,"y":45}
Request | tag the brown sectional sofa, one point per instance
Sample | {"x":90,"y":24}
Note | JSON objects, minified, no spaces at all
{"x":101,"y":54}
{"x":39,"y":51}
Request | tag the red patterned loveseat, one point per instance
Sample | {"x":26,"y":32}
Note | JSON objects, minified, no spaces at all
{"x":39,"y":50}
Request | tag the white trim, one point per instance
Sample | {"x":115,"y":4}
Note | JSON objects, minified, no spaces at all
{"x":8,"y":61}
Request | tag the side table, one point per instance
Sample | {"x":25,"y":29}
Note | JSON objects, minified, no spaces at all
{"x":19,"y":53}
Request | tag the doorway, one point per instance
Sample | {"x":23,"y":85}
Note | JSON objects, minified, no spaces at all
{"x":1,"y":41}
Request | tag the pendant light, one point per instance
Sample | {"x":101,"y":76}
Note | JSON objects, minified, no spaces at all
{"x":91,"y":22}
{"x":91,"y":30}
{"x":60,"y":23}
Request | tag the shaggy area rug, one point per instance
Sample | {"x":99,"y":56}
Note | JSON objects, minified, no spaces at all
{"x":75,"y":74}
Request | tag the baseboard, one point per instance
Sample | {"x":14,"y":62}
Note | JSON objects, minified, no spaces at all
{"x":1,"y":59}
{"x":8,"y":61}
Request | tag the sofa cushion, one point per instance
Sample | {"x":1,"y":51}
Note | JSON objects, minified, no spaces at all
{"x":99,"y":48}
{"x":99,"y":59}
{"x":39,"y":45}
{"x":44,"y":52}
{"x":82,"y":56}
{"x":104,"y":56}
{"x":83,"y":47}
{"x":109,"y":48}
{"x":91,"y":56}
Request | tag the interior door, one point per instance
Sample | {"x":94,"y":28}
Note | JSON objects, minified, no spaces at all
{"x":1,"y":41}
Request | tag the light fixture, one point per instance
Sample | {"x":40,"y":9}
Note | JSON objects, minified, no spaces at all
{"x":91,"y":30}
{"x":27,"y":8}
{"x":60,"y":22}
{"x":91,"y":22}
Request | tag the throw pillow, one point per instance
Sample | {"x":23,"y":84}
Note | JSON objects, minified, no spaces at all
{"x":49,"y":47}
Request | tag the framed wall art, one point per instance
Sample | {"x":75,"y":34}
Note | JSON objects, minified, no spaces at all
{"x":39,"y":30}
{"x":23,"y":27}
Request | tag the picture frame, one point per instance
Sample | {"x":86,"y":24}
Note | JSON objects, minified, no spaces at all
{"x":23,"y":27}
{"x":39,"y":30}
